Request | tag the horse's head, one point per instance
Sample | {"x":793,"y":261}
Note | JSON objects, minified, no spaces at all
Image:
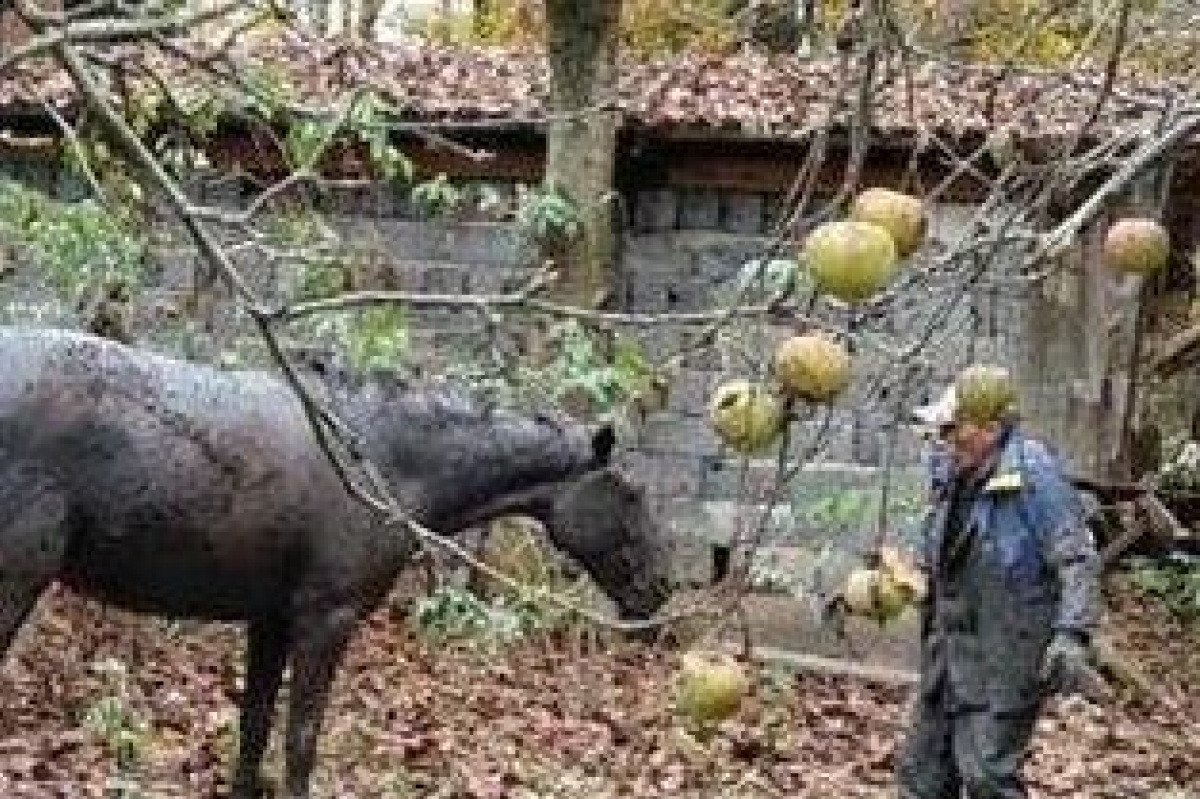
{"x":604,"y":522}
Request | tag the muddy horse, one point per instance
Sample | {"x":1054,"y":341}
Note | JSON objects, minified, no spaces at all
{"x":185,"y":491}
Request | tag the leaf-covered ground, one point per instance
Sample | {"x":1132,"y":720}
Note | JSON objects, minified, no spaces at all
{"x":540,"y":720}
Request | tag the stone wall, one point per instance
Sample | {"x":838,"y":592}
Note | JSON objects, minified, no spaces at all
{"x":681,"y":250}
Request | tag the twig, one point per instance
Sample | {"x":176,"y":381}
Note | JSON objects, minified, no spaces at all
{"x":100,"y":30}
{"x":1058,"y":239}
{"x":77,"y":149}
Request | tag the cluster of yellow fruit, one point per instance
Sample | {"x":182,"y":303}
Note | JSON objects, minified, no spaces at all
{"x":882,"y":593}
{"x":852,"y":260}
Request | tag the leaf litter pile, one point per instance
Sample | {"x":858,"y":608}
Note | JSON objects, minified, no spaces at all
{"x":101,"y":703}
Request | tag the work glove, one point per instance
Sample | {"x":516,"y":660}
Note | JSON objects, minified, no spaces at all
{"x":1066,"y":665}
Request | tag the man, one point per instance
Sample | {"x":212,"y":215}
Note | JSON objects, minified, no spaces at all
{"x":1013,"y":600}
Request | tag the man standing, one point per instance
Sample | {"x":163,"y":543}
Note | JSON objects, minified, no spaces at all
{"x":1013,"y":599}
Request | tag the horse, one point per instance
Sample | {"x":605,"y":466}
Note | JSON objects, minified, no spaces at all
{"x":187,"y":491}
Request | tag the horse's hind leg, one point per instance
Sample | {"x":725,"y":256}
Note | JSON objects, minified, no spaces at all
{"x":266,"y":656}
{"x":319,"y":642}
{"x":33,"y":541}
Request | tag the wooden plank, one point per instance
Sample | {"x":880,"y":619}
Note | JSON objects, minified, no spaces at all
{"x":1179,"y":352}
{"x":1111,"y":490}
{"x":1133,"y":530}
{"x":776,"y":173}
{"x":350,"y":161}
{"x":837,"y":667}
{"x":1162,"y":521}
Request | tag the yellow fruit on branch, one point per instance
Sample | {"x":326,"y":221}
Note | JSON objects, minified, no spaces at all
{"x":812,"y":367}
{"x":901,"y":215}
{"x":746,"y":415}
{"x":849,"y":259}
{"x":907,"y":576}
{"x":1137,"y":246}
{"x":985,"y":393}
{"x":874,"y":594}
{"x":710,"y":686}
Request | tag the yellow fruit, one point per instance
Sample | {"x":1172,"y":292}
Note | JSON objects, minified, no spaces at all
{"x":901,"y":215}
{"x":985,"y":394}
{"x":710,"y":686}
{"x":812,"y":367}
{"x":907,"y":577}
{"x":873,"y":594}
{"x":746,"y":416}
{"x":1137,"y":246}
{"x":850,"y":260}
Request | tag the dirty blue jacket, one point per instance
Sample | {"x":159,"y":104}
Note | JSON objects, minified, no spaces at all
{"x":1030,"y":569}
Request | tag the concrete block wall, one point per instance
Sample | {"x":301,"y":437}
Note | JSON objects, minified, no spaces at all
{"x":682,"y":249}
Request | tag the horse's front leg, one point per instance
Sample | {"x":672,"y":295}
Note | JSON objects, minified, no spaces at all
{"x":266,"y":657}
{"x":318,"y":643}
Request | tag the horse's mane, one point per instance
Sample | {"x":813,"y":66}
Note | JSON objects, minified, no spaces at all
{"x":404,"y":399}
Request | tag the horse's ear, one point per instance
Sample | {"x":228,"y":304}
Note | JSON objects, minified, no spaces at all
{"x":604,"y":441}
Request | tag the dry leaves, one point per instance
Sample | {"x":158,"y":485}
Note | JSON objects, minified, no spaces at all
{"x":742,"y":93}
{"x":535,"y":723}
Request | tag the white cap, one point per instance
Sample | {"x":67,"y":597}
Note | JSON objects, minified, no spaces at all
{"x":940,"y":413}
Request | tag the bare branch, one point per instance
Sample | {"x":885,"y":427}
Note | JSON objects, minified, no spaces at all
{"x":1058,"y":239}
{"x":101,"y":30}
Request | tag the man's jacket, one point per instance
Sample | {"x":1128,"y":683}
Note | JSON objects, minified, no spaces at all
{"x":1026,"y":567}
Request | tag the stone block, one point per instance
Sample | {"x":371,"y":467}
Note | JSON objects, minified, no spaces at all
{"x":699,"y":209}
{"x":721,"y":258}
{"x":690,"y":561}
{"x":494,"y":280}
{"x":487,"y":243}
{"x":650,"y":250}
{"x":665,"y":474}
{"x":444,"y":279}
{"x":742,"y":213}
{"x":648,"y":296}
{"x":691,"y":390}
{"x":655,"y":211}
{"x":773,"y":212}
{"x":411,"y":239}
{"x":684,"y":296}
{"x":681,"y":435}
{"x":406,"y":276}
{"x":725,"y":522}
{"x":731,"y":478}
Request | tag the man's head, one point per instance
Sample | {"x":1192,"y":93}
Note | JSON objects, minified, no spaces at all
{"x":968,"y":438}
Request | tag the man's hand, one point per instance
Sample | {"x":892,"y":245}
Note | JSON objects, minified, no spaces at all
{"x":1066,"y":665}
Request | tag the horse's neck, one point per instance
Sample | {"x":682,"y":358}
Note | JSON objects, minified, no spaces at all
{"x":464,"y":471}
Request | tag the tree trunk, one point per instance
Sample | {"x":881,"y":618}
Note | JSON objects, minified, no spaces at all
{"x":371,"y":9}
{"x":582,"y":44}
{"x":1082,"y":345}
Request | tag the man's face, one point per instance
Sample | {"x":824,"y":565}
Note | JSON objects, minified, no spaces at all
{"x":969,"y":443}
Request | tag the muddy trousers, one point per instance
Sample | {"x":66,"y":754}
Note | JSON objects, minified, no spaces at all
{"x":977,"y":752}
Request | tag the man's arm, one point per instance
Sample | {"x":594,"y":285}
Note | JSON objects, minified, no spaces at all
{"x":1068,"y":546}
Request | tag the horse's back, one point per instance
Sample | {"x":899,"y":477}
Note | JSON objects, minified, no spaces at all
{"x":189,"y":488}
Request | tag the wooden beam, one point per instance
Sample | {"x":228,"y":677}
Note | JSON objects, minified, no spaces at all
{"x":1112,"y":490}
{"x":1177,"y":353}
{"x":1163,"y":522}
{"x":1133,"y":530}
{"x":836,"y":667}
